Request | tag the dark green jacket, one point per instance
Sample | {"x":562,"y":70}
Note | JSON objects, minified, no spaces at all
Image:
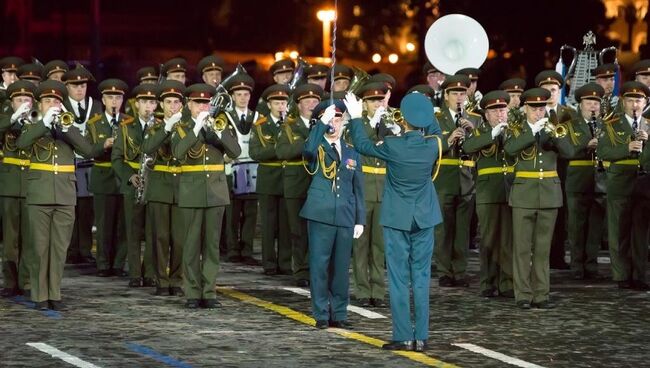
{"x":163,"y":180}
{"x":288,"y":147}
{"x":262,"y":149}
{"x":102,"y":175}
{"x":15,"y":165}
{"x":51,"y":178}
{"x":126,"y":152}
{"x":535,"y":156}
{"x":203,"y":186}
{"x":494,"y":166}
{"x":583,"y":164}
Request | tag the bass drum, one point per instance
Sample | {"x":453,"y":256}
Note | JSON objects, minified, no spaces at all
{"x":244,"y":178}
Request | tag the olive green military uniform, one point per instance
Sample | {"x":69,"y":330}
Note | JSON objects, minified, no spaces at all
{"x":494,"y":179}
{"x":50,"y":197}
{"x":626,"y":200}
{"x":203,"y":193}
{"x":161,"y":196}
{"x":585,"y":189}
{"x":126,"y":157}
{"x":455,"y":188}
{"x":13,"y":175}
{"x":107,"y":200}
{"x":270,"y":191}
{"x":280,"y":66}
{"x":535,"y":198}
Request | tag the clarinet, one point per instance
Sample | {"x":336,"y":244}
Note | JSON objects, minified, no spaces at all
{"x":143,"y":174}
{"x":458,"y":150}
{"x":114,"y":128}
{"x":593,"y":128}
{"x":637,"y":154}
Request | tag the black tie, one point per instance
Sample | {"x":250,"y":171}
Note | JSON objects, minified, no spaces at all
{"x":82,"y":112}
{"x":552,"y":116}
{"x":336,"y":153}
{"x":242,"y":124}
{"x":635,"y":126}
{"x":114,"y":127}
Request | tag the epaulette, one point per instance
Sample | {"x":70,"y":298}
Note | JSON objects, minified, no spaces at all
{"x":612,"y":120}
{"x":94,"y":119}
{"x":290,"y":120}
{"x":439,"y":113}
{"x":127,"y":120}
{"x":261,"y":121}
{"x":475,"y":114}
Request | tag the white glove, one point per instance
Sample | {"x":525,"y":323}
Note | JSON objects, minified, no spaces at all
{"x":395,"y":128}
{"x":358,"y":230}
{"x":169,"y":123}
{"x":200,"y":122}
{"x":498,"y":129}
{"x":328,"y":114}
{"x":48,"y":118}
{"x":354,"y":106}
{"x":378,"y":114}
{"x":22,"y":109}
{"x":538,"y":126}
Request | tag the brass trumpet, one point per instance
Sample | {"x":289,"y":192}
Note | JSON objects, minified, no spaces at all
{"x":555,"y":130}
{"x":64,"y":120}
{"x":216,"y":124}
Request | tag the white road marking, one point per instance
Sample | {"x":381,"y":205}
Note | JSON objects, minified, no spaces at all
{"x":352,"y":308}
{"x":496,"y":355}
{"x":604,"y":260}
{"x":56,"y":353}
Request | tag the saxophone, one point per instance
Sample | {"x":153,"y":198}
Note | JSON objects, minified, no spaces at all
{"x":143,"y":172}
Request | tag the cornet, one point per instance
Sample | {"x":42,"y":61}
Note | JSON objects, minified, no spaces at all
{"x":64,"y":120}
{"x":31,"y":117}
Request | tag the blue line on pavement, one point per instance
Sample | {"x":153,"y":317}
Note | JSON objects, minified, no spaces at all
{"x":30,"y":304}
{"x":143,"y":350}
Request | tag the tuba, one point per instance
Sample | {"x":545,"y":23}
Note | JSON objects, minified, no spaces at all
{"x":454,"y":42}
{"x":358,"y":79}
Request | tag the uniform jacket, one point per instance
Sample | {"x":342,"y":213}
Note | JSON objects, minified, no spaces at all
{"x":288,"y":147}
{"x":15,"y":165}
{"x":262,"y":149}
{"x":163,"y":179}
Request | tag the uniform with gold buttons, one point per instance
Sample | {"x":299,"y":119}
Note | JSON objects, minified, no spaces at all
{"x":13,"y":175}
{"x":454,"y":184}
{"x":621,"y":143}
{"x":203,"y":194}
{"x":51,"y":193}
{"x":161,"y":194}
{"x":126,"y":158}
{"x":535,"y":197}
{"x":494,"y":178}
{"x":288,"y":147}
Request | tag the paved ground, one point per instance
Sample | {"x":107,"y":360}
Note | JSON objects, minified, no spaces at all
{"x":264,"y":324}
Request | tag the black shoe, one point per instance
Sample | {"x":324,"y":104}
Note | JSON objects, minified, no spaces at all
{"x":379,"y":303}
{"x":399,"y":345}
{"x":445,"y":281}
{"x":177,"y":291}
{"x":341,"y":324}
{"x":302,"y":283}
{"x":134,"y":283}
{"x":461,"y":283}
{"x":270,"y":272}
{"x":523,"y":304}
{"x":161,"y":291}
{"x":421,"y":345}
{"x":364,"y":302}
{"x":507,"y":294}
{"x":9,"y":292}
{"x":192,"y":303}
{"x":25,"y":292}
{"x":322,"y":324}
{"x":210,"y":303}
{"x":104,"y":273}
{"x":250,"y":261}
{"x":119,"y":273}
{"x":640,"y":285}
{"x":149,"y":282}
{"x":546,"y":304}
{"x":74,"y":260}
{"x":42,"y":306}
{"x":58,"y":305}
{"x":489,"y":293}
{"x":234,"y":259}
{"x":625,"y":284}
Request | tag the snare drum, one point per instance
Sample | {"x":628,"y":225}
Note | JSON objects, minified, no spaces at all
{"x":244,"y":178}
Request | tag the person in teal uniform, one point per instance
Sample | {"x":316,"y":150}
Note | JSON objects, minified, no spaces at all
{"x":409,"y":212}
{"x":335,"y":214}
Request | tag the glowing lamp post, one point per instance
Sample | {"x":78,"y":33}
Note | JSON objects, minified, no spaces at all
{"x":327,"y":17}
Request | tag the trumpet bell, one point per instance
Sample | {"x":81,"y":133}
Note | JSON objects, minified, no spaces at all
{"x":454,"y":42}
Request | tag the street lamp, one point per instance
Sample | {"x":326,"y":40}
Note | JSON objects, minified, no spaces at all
{"x":327,"y":17}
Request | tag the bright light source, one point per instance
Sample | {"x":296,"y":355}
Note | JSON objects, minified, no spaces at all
{"x":326,"y":15}
{"x":410,"y":47}
{"x":392,"y":58}
{"x":376,"y":58}
{"x":293,"y":54}
{"x":279,"y":55}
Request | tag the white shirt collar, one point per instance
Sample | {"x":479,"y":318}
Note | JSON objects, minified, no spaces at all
{"x":304,"y":121}
{"x":240,"y":112}
{"x":76,"y":103}
{"x":109,"y":117}
{"x":639,"y":119}
{"x":338,"y":143}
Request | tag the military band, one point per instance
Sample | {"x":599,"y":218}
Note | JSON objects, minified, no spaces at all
{"x":178,"y":165}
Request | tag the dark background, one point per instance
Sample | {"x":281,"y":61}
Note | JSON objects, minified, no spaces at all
{"x":115,"y":38}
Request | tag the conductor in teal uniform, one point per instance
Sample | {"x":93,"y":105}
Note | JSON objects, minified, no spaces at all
{"x":409,"y":212}
{"x":335,"y":214}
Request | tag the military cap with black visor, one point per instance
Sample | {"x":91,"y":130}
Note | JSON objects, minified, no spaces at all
{"x":56,"y":67}
{"x":548,"y":77}
{"x":458,"y":82}
{"x":77,"y":76}
{"x":147,"y":73}
{"x":513,"y":85}
{"x":373,"y":90}
{"x":240,"y":82}
{"x":495,"y":100}
{"x":174,"y":65}
{"x":282,"y":66}
{"x":31,"y":72}
{"x":276,"y":92}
